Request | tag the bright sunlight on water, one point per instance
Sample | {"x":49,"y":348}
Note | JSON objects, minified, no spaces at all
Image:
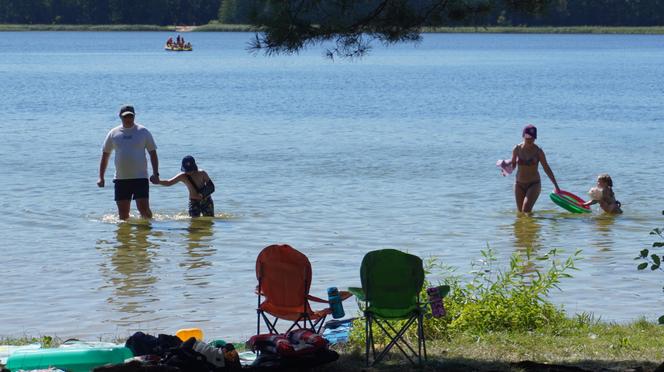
{"x":336,"y":158}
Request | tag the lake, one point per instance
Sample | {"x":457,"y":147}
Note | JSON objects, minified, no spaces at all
{"x":336,"y":158}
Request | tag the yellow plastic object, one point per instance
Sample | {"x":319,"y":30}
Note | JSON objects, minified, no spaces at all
{"x":187,"y":333}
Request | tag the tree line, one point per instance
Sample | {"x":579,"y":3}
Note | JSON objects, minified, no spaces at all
{"x":456,"y":12}
{"x":152,"y":12}
{"x":504,"y":13}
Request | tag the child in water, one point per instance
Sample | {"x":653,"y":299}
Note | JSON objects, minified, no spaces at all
{"x":603,"y":194}
{"x":195,"y":180}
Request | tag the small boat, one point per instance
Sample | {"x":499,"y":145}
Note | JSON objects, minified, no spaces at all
{"x":175,"y":48}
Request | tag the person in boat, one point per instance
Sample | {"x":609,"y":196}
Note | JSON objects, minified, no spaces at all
{"x":527,"y":155}
{"x":169,"y":42}
{"x":187,"y":46}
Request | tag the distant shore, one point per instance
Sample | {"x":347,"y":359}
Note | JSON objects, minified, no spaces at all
{"x":217,"y":27}
{"x":220,"y":27}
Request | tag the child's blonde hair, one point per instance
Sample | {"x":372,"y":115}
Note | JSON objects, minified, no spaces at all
{"x":604,"y":177}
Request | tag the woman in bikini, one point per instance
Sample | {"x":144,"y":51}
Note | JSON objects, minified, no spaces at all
{"x":527,"y":155}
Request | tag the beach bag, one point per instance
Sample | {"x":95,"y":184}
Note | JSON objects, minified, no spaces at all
{"x":206,"y":190}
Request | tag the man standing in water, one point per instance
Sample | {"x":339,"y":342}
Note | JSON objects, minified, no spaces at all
{"x":130,"y":141}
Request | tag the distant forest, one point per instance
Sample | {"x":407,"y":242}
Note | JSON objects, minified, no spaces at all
{"x":199,"y":12}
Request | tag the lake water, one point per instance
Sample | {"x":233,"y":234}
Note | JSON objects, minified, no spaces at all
{"x":336,"y":158}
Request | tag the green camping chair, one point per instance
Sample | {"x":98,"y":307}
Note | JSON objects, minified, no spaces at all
{"x":391,"y":285}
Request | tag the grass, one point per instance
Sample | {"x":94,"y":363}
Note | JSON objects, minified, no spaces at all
{"x":655,"y":30}
{"x":592,"y":346}
{"x":582,"y":343}
{"x":221,"y":27}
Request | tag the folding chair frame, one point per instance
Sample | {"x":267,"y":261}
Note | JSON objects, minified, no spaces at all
{"x":304,"y":318}
{"x":395,"y":337}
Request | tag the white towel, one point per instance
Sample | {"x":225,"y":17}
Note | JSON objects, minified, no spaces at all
{"x":505,"y":166}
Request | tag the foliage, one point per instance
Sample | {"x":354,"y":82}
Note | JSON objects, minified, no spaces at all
{"x":155,"y":12}
{"x":652,"y":259}
{"x":350,"y":26}
{"x":495,"y":300}
{"x":347,"y":28}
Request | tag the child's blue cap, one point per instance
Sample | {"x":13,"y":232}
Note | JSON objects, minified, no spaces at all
{"x":189,"y":164}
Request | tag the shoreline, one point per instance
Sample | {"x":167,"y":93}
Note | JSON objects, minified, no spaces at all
{"x":219,"y":27}
{"x":583,"y":344}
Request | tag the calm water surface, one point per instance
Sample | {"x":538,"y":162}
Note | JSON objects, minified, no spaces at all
{"x":335,"y":158}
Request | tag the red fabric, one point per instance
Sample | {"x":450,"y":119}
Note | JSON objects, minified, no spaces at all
{"x":275,"y":344}
{"x":294,"y":343}
{"x":306,"y":337}
{"x":285,"y":278}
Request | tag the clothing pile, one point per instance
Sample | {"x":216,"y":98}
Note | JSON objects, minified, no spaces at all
{"x":169,"y":353}
{"x":298,"y":349}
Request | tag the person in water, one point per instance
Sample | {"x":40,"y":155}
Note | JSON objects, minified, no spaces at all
{"x":525,"y":158}
{"x":130,"y":141}
{"x":603,"y":194}
{"x":194,"y":179}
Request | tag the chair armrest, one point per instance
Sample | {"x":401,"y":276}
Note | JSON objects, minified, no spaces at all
{"x":256,"y":291}
{"x":343,"y":294}
{"x":444,"y":290}
{"x":317,"y":299}
{"x":357,"y":292}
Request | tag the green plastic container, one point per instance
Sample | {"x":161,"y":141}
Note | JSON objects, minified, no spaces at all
{"x":74,"y":359}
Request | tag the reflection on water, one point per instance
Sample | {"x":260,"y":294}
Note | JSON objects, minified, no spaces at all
{"x":130,"y":269}
{"x":527,"y":233}
{"x":604,"y":239}
{"x":199,"y":236}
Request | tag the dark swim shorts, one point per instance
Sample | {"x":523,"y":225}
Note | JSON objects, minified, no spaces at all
{"x":137,"y":188}
{"x":203,"y":207}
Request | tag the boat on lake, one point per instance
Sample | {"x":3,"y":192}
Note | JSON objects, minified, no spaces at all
{"x":176,"y":48}
{"x":178,"y":45}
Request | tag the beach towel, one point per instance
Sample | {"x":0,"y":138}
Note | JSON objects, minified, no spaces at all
{"x":505,"y":166}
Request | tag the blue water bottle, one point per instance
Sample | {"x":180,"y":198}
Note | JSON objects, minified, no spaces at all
{"x":335,"y":303}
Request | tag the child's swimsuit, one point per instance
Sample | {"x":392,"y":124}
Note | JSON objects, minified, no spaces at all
{"x":198,"y":207}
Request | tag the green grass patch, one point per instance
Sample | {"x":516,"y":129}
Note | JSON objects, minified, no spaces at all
{"x":655,"y":30}
{"x":46,"y":341}
{"x":223,"y":27}
{"x":576,"y":342}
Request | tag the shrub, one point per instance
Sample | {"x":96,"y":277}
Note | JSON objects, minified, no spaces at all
{"x":514,"y":299}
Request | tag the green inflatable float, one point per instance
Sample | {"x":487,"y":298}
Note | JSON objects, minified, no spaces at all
{"x":569,"y":201}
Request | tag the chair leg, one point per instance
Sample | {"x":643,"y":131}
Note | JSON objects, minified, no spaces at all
{"x":271,"y":326}
{"x":373,"y":345}
{"x":394,"y":340}
{"x":403,"y":330}
{"x":424,"y":341}
{"x":367,"y":337}
{"x":258,"y":322}
{"x":319,"y":323}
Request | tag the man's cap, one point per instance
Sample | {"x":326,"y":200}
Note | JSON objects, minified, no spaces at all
{"x":127,"y":110}
{"x":529,"y":131}
{"x":188,"y":164}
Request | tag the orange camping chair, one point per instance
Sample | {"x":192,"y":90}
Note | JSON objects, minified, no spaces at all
{"x":284,"y":278}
